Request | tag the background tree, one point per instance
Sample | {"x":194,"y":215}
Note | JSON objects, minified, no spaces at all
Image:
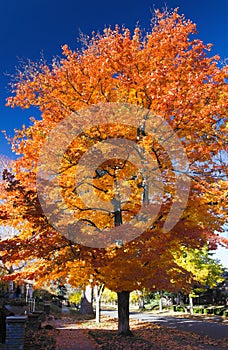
{"x":75,"y":298}
{"x":207,"y":271}
{"x":166,"y":71}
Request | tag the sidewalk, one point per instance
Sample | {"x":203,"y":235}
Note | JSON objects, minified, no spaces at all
{"x":74,"y":339}
{"x":69,"y":336}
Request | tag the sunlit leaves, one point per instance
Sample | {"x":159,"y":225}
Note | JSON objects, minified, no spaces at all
{"x":166,"y":71}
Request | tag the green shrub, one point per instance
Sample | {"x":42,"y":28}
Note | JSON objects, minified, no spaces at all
{"x":219,"y":311}
{"x":179,"y":308}
{"x":216,"y":310}
{"x":198,"y":310}
{"x":210,"y":311}
{"x":225,"y":313}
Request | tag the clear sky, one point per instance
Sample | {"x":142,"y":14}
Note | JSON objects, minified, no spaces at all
{"x":31,"y":27}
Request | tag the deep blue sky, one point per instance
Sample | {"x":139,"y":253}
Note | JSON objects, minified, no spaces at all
{"x":31,"y":27}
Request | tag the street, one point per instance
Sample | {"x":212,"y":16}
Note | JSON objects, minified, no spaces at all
{"x":214,"y":330}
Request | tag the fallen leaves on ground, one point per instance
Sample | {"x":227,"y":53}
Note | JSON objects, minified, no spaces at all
{"x":146,"y":336}
{"x":42,"y":339}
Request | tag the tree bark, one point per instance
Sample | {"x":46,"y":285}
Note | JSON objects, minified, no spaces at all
{"x":191,"y":305}
{"x":160,"y":301}
{"x":98,"y":294}
{"x":141,"y":300}
{"x":87,"y":301}
{"x":123,"y":313}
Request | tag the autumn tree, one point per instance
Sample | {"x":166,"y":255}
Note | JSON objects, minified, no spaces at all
{"x":207,"y":271}
{"x":126,"y":165}
{"x":5,"y":232}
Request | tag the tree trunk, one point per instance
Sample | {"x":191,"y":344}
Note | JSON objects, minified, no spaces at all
{"x":87,"y":301}
{"x":191,"y":305}
{"x":160,"y":301}
{"x":98,"y":294}
{"x":141,"y":300}
{"x":123,"y":313}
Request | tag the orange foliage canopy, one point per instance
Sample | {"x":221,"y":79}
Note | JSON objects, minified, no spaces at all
{"x":166,"y":71}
